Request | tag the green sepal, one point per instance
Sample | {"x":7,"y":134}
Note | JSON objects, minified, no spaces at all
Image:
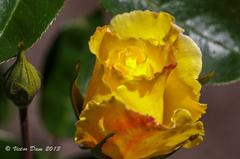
{"x":97,"y":150}
{"x":166,"y":155}
{"x":205,"y":79}
{"x":76,"y":96}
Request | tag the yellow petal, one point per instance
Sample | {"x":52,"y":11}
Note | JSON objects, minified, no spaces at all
{"x":189,"y":59}
{"x":142,"y":24}
{"x":136,"y":136}
{"x":145,"y":96}
{"x":97,"y":90}
{"x":152,"y":59}
{"x":181,"y":119}
{"x":183,"y":89}
{"x":99,"y":119}
{"x":96,"y":39}
{"x":147,"y":143}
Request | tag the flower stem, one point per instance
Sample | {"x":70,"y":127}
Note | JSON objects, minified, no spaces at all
{"x":23,"y":112}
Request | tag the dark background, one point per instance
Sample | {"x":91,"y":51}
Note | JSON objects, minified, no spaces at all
{"x":222,"y":140}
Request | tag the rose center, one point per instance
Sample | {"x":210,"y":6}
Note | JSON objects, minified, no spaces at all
{"x":131,"y":62}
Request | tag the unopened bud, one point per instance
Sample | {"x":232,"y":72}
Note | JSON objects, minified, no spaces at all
{"x":22,"y":81}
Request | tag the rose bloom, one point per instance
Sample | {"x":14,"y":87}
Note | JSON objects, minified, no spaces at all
{"x":143,"y":88}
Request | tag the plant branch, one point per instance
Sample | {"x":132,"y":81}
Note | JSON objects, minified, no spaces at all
{"x":26,"y":142}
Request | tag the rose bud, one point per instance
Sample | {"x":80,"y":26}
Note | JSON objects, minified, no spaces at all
{"x":21,"y":81}
{"x":144,"y":88}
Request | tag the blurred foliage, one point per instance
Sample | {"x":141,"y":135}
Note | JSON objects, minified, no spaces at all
{"x":70,"y":47}
{"x":9,"y":154}
{"x":213,"y":24}
{"x":23,"y":20}
{"x":4,"y":109}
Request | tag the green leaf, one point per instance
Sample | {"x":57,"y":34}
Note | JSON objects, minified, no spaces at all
{"x":213,"y":24}
{"x":24,"y":20}
{"x":71,"y":46}
{"x":120,"y":6}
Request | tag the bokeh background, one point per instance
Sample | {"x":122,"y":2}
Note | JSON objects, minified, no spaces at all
{"x":221,"y":121}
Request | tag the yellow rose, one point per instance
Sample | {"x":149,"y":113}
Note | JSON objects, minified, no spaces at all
{"x":144,"y":88}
